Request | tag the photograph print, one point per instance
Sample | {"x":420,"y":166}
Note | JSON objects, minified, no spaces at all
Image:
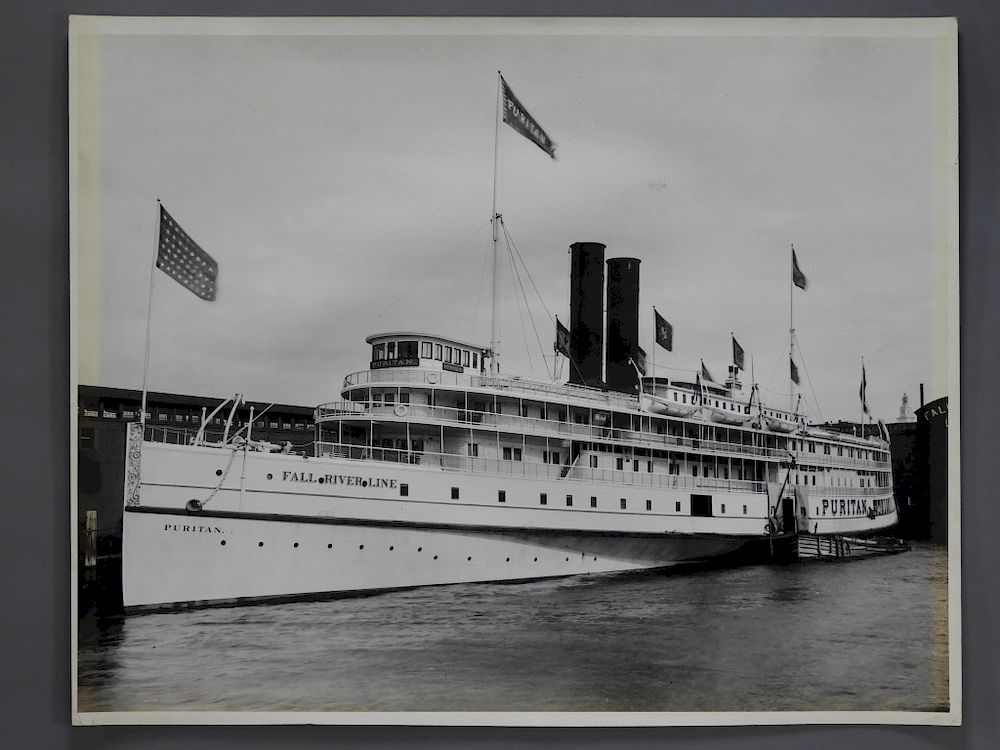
{"x":513,"y":371}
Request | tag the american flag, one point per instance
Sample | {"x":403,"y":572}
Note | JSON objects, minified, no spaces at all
{"x":184,"y":261}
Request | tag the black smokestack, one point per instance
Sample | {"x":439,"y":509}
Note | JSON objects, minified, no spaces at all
{"x":623,"y":324}
{"x":586,"y":313}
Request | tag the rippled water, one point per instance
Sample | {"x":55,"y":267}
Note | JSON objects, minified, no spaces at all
{"x":864,"y":635}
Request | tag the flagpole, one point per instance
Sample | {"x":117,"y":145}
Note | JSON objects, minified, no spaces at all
{"x":655,"y":344}
{"x":149,"y":313}
{"x":791,"y":326}
{"x":494,"y":322}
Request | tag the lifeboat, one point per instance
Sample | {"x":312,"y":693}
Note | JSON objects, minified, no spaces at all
{"x":722,"y":416}
{"x":660,"y":405}
{"x":775,"y":424}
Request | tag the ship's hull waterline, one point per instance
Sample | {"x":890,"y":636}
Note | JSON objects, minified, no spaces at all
{"x":227,"y":559}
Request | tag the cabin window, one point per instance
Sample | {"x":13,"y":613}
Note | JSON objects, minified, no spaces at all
{"x":722,"y":508}
{"x":649,"y":505}
{"x":745,"y":510}
{"x":543,"y":499}
{"x":466,"y":357}
{"x":472,"y":449}
{"x":623,"y":503}
{"x":404,"y":490}
{"x":454,"y":493}
{"x":569,"y":501}
{"x":418,"y":446}
{"x":677,"y":506}
{"x":426,"y":349}
{"x":475,"y":359}
{"x":635,"y":465}
{"x":593,"y":462}
{"x":684,"y":398}
{"x":620,"y":463}
{"x":501,"y":496}
{"x":593,"y":501}
{"x":694,"y":470}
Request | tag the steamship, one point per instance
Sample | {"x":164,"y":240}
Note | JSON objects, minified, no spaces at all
{"x":434,"y":467}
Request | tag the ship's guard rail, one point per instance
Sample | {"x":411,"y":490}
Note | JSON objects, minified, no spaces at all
{"x":529,"y":470}
{"x":497,"y":382}
{"x":514,"y":423}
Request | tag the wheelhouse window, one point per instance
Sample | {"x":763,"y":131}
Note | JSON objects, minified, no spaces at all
{"x":447,"y":354}
{"x":466,"y":357}
{"x":378,"y":352}
{"x":407,"y":350}
{"x":390,"y":350}
{"x":475,"y":359}
{"x":437,"y":351}
{"x":426,"y":349}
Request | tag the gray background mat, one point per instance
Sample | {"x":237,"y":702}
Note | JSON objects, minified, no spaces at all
{"x":35,"y":305}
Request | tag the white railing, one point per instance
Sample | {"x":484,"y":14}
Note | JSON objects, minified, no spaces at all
{"x":525,"y":469}
{"x":467,"y":418}
{"x":493,"y":382}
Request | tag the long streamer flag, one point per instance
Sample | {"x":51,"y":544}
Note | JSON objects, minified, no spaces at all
{"x":515,"y":115}
{"x":664,"y":332}
{"x":738,"y":359}
{"x":863,"y":391}
{"x":798,"y":278}
{"x":182,"y":259}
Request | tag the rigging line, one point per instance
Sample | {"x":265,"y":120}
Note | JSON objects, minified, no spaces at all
{"x":511,"y":249}
{"x":429,"y":272}
{"x":520,"y":315}
{"x":479,"y":297}
{"x":513,"y":244}
{"x":802,"y":356}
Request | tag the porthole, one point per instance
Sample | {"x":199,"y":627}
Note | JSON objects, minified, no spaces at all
{"x":260,"y":544}
{"x":361,"y":546}
{"x":270,"y":476}
{"x":223,"y":542}
{"x":296,"y":545}
{"x":508,"y":559}
{"x":536,"y":559}
{"x":391,"y":548}
{"x":329,"y":546}
{"x":420,"y":549}
{"x":218,"y":472}
{"x":435,"y":557}
{"x":567,"y":559}
{"x":469,"y":558}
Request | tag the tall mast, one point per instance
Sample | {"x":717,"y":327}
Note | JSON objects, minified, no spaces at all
{"x":791,"y":328}
{"x":495,"y":219}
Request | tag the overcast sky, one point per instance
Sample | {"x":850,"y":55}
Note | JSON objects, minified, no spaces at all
{"x":343,"y":182}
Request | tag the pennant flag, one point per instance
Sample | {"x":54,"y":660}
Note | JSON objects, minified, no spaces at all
{"x":798,"y":278}
{"x":518,"y":118}
{"x":794,"y":371}
{"x":182,"y":259}
{"x":562,"y":339}
{"x":863,"y":391}
{"x":705,"y":374}
{"x":664,"y":332}
{"x":640,"y":359}
{"x":738,"y":354}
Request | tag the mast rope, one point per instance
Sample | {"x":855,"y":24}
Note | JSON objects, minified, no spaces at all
{"x":802,"y":356}
{"x":423,"y":278}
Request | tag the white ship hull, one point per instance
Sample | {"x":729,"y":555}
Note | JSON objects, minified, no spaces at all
{"x":276,"y":526}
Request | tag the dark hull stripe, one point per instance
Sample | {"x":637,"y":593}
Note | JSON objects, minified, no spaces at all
{"x":475,"y":528}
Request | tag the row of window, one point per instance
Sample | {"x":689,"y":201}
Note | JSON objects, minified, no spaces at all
{"x":543,"y":499}
{"x":428,"y":350}
{"x":129,"y":414}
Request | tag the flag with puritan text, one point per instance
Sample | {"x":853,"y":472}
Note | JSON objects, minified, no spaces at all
{"x":515,"y":115}
{"x":182,"y":259}
{"x":664,"y":332}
